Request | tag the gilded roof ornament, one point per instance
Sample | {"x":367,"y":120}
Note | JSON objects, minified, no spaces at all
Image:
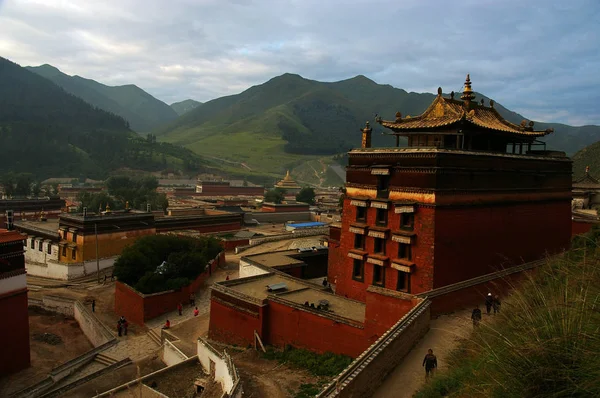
{"x":467,"y":94}
{"x":398,"y":116}
{"x":492,"y":103}
{"x":452,"y":95}
{"x":439,"y":91}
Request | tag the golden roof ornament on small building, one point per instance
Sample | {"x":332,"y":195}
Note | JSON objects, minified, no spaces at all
{"x":467,"y":95}
{"x":107,"y":208}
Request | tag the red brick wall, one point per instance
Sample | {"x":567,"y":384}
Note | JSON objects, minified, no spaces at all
{"x":303,"y":329}
{"x":231,"y":325}
{"x":340,"y":265}
{"x":231,"y":244}
{"x":138,"y":309}
{"x":472,"y":241}
{"x":15,"y":333}
{"x":578,"y":227}
{"x":383,"y":311}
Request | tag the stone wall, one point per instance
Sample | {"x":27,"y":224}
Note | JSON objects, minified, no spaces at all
{"x":368,"y":371}
{"x":171,"y":355}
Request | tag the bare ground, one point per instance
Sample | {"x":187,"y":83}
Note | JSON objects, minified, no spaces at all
{"x":45,"y":356}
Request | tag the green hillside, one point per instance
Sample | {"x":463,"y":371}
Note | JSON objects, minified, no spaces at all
{"x":588,"y":156}
{"x":50,"y":133}
{"x":185,"y":106}
{"x":140,"y":109}
{"x":289,"y":120}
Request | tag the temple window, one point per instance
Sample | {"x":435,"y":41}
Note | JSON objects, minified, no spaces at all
{"x":381,"y":218}
{"x":32,"y":243}
{"x":379,"y":246}
{"x":359,"y":241}
{"x":403,"y":284}
{"x":378,"y":275}
{"x":358,"y":270}
{"x":361,"y":213}
{"x":407,"y":221}
{"x":41,"y":246}
{"x":64,"y":251}
{"x":49,"y":248}
{"x":404,"y":251}
{"x":73,"y":254}
{"x":74,"y":237}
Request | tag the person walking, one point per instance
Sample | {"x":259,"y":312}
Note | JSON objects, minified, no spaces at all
{"x":430,"y":363}
{"x":93,"y":305}
{"x":476,"y":316}
{"x":196,"y":312}
{"x":125,"y":325}
{"x":489,"y":301}
{"x":119,"y":329}
{"x":180,"y":308}
{"x":496,"y":304}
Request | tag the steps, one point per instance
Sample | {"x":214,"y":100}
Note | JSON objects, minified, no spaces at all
{"x":155,"y":336}
{"x":105,"y":359}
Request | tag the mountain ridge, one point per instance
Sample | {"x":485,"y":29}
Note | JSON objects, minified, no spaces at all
{"x":143,"y":111}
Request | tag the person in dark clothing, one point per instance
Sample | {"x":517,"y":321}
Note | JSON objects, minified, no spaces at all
{"x":125,"y":325}
{"x":119,"y":328}
{"x":476,"y":316}
{"x":430,"y":363}
{"x":324,"y":282}
{"x":496,"y":304}
{"x":489,"y":301}
{"x":93,"y":305}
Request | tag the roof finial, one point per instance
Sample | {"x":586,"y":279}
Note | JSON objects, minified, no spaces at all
{"x":587,"y":169}
{"x":439,"y":91}
{"x":467,"y":94}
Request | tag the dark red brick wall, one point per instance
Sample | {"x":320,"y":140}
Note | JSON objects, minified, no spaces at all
{"x":230,"y":244}
{"x":340,"y":265}
{"x":473,"y":241}
{"x":383,"y":312}
{"x":231,"y":325}
{"x":578,"y":227}
{"x":138,"y":309}
{"x":475,"y":295}
{"x":303,"y":329}
{"x":15,"y":333}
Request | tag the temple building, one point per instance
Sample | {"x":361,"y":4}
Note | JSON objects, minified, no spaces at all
{"x":586,"y":191}
{"x":288,"y":183}
{"x":13,"y":303}
{"x":468,"y":196}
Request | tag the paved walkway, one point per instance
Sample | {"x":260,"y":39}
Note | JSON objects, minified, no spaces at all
{"x":443,"y":337}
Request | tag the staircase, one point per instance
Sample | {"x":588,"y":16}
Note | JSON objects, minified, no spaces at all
{"x":105,"y":359}
{"x":154,"y":335}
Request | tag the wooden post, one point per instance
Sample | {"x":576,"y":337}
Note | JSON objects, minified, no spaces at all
{"x":257,"y":338}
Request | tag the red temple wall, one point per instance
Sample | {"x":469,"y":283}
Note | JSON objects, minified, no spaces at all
{"x":579,"y":227}
{"x":232,"y":325}
{"x":473,"y":241}
{"x":15,"y":334}
{"x":303,"y":329}
{"x":383,"y":311}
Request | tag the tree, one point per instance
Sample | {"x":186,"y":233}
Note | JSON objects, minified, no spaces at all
{"x":306,"y":195}
{"x":36,"y":189}
{"x":23,"y":184}
{"x":8,"y":183}
{"x":275,"y":195}
{"x":97,"y":201}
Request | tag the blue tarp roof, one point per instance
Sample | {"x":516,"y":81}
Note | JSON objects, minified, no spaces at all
{"x":307,"y":224}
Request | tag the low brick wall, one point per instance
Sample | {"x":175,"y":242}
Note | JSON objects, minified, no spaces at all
{"x":368,"y":371}
{"x":231,"y":244}
{"x":139,"y":308}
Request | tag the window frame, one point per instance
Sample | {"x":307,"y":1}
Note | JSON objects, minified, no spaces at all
{"x":362,"y":239}
{"x":378,"y":221}
{"x":406,"y":279}
{"x":380,"y":283}
{"x":361,"y":209}
{"x":405,"y":251}
{"x":383,"y":242}
{"x":361,"y":277}
{"x":407,"y":221}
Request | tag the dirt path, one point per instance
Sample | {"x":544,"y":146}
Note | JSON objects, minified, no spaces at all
{"x":443,"y":337}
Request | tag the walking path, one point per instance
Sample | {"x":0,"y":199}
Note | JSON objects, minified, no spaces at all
{"x":443,"y":337}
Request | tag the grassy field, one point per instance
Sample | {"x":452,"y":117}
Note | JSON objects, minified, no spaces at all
{"x":544,"y":343}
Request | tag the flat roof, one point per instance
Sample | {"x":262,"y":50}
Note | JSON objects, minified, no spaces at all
{"x":257,"y":287}
{"x":297,"y":292}
{"x":275,"y":259}
{"x":51,"y":225}
{"x":339,"y":306}
{"x":307,"y":224}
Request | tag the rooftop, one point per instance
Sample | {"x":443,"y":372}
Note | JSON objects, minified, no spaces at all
{"x":7,"y":236}
{"x":297,"y":292}
{"x":47,"y":227}
{"x":445,"y":112}
{"x":587,"y":181}
{"x":276,"y":259}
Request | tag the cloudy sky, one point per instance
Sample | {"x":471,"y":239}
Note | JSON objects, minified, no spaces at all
{"x":539,"y":58}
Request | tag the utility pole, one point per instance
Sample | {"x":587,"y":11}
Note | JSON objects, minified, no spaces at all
{"x":97,"y":259}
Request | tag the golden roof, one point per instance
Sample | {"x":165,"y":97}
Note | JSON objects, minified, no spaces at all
{"x":447,"y":111}
{"x":288,"y":182}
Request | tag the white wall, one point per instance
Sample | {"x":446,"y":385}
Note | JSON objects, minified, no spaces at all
{"x":55,"y":270}
{"x":96,"y":332}
{"x":247,"y":269}
{"x":40,"y":257}
{"x":171,"y":355}
{"x":222,"y":373}
{"x":13,"y":283}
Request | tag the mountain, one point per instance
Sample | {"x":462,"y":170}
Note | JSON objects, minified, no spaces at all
{"x":185,"y":106}
{"x":48,"y":132}
{"x":289,"y":121}
{"x":140,"y":109}
{"x":588,"y":156}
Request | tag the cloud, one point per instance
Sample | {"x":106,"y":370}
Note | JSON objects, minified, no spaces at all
{"x":538,"y":58}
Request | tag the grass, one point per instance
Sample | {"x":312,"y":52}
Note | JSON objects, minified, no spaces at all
{"x":546,"y":341}
{"x":308,"y":390}
{"x":327,"y":364}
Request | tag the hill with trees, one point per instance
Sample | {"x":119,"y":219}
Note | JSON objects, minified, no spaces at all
{"x":290,"y":120}
{"x":185,"y":106}
{"x":588,"y":156}
{"x":140,"y":109}
{"x":48,"y":132}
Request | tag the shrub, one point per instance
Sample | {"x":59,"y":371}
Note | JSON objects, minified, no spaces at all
{"x":327,"y":364}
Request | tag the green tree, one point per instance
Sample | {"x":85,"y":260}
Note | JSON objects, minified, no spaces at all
{"x":23,"y":184}
{"x":306,"y":195}
{"x":97,"y":202}
{"x":36,"y":189}
{"x":275,"y":195}
{"x":8,"y":183}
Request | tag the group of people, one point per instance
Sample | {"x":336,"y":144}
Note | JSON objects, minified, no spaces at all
{"x":122,"y":326}
{"x":491,"y":302}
